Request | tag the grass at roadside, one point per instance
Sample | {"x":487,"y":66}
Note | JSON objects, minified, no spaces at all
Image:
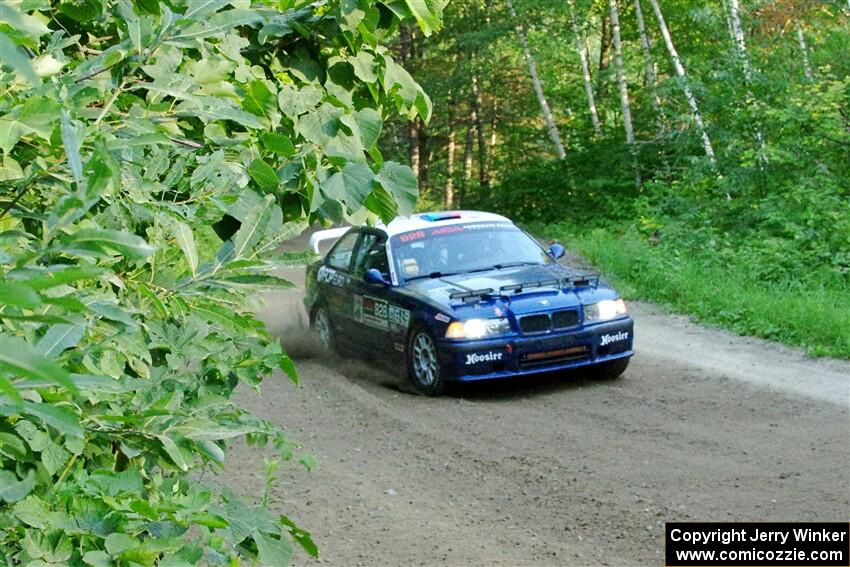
{"x":720,"y":293}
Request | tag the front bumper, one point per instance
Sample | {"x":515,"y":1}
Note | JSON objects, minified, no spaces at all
{"x":521,"y":355}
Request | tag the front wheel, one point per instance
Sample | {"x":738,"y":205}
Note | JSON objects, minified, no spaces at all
{"x":323,"y":329}
{"x":611,"y":370}
{"x":423,"y":363}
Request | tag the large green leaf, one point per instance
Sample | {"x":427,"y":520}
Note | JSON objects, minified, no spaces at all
{"x":263,"y":174}
{"x":71,"y":141}
{"x":253,"y":228}
{"x":278,"y":143}
{"x":13,"y":489}
{"x":29,"y":26}
{"x":258,"y":98}
{"x":370,"y":123}
{"x":219,"y":23}
{"x":185,"y":239}
{"x":57,"y":275}
{"x":57,"y":417}
{"x":174,"y":452}
{"x":19,"y":357}
{"x":273,"y":550}
{"x":17,"y":59}
{"x":11,"y":131}
{"x":351,"y":185}
{"x":410,"y":96}
{"x":401,"y":182}
{"x":98,"y":240}
{"x":19,"y":295}
{"x":10,"y":169}
{"x":59,"y":338}
{"x":201,"y":9}
{"x":428,"y":13}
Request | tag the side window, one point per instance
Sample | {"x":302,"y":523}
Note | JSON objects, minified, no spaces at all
{"x":371,"y":254}
{"x":340,"y":255}
{"x":377,"y":259}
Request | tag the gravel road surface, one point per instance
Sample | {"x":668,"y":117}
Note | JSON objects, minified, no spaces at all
{"x":560,"y":470}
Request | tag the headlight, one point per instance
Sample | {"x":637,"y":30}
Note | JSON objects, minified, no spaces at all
{"x":477,"y":328}
{"x":604,"y":310}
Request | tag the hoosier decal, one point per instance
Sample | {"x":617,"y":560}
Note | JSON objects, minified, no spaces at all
{"x":615,"y":338}
{"x":478,"y":357}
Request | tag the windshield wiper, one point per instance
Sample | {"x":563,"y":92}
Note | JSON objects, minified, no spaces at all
{"x":432,"y":275}
{"x":515,"y":265}
{"x":503,"y":266}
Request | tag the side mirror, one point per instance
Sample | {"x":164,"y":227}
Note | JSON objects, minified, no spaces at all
{"x":557,"y":251}
{"x":374,"y":276}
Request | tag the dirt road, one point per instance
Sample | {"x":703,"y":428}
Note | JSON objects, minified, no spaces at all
{"x":561,"y":470}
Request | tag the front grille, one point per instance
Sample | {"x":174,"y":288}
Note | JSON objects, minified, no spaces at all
{"x":566,"y":354}
{"x":565,"y":319}
{"x":535,"y":324}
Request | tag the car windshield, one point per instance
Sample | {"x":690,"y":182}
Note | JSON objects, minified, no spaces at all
{"x":463,"y":248}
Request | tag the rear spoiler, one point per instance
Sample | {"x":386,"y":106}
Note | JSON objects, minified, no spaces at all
{"x":331,"y":234}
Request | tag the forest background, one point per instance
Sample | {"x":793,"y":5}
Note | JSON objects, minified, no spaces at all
{"x":697,"y":152}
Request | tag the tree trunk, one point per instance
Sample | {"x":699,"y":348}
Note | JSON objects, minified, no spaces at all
{"x":605,"y":42}
{"x":801,"y":39}
{"x":413,"y":148}
{"x":483,"y":172}
{"x":494,"y":121}
{"x":689,"y":95}
{"x":740,"y":45}
{"x":741,"y":48}
{"x":624,"y":89}
{"x":581,"y":47}
{"x":651,"y":81}
{"x":467,"y":164}
{"x":449,"y":195}
{"x":538,"y":88}
{"x":425,"y":155}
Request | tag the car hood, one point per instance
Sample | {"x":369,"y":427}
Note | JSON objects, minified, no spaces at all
{"x":543,"y":298}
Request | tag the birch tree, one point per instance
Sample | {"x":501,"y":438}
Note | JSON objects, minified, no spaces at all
{"x":624,"y":90}
{"x":649,"y":64}
{"x":741,"y":49}
{"x":680,"y":72}
{"x":804,"y":51}
{"x":581,"y":47}
{"x":538,"y":87}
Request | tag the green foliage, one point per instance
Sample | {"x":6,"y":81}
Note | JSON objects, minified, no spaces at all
{"x":718,"y":286}
{"x":154,"y":156}
{"x":772,"y":215}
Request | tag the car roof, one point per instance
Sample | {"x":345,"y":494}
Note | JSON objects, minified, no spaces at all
{"x":412,"y":222}
{"x":437,"y":218}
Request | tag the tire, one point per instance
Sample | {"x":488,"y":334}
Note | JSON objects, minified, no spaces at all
{"x":611,"y":370}
{"x":323,"y":329}
{"x":423,"y":362}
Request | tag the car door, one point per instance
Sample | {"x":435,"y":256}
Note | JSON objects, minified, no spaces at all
{"x":334,"y":282}
{"x":373,"y":306}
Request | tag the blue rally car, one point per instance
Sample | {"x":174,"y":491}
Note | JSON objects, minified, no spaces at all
{"x":463,"y":296}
